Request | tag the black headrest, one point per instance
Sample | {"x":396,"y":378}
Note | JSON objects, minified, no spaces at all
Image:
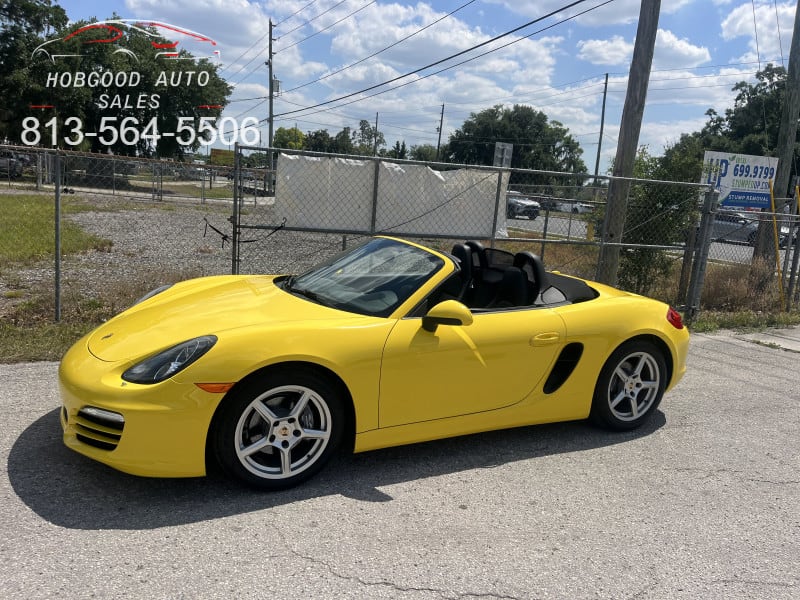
{"x":533,"y":267}
{"x":464,"y":256}
{"x":478,"y":253}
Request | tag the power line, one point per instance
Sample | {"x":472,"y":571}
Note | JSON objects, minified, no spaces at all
{"x":446,"y":68}
{"x":314,"y":19}
{"x":374,"y":54}
{"x":299,"y":10}
{"x":326,"y":28}
{"x":446,"y":59}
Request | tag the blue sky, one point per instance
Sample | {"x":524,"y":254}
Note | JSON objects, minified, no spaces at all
{"x":703,"y":48}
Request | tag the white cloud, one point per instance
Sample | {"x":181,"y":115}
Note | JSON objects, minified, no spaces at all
{"x":670,"y":51}
{"x":768,"y":45}
{"x":616,"y":13}
{"x":674,"y":52}
{"x":614,"y":51}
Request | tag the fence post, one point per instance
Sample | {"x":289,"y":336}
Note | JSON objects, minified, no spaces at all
{"x":701,"y":257}
{"x":375,"y":183}
{"x":153,"y":180}
{"x":237,"y":192}
{"x":57,"y":240}
{"x":498,"y":195}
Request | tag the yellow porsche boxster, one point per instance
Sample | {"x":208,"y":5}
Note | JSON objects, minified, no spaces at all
{"x":388,"y":343}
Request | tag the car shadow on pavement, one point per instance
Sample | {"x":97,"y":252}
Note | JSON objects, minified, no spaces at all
{"x":70,"y":490}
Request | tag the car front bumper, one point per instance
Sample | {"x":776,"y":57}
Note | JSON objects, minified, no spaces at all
{"x":154,"y":430}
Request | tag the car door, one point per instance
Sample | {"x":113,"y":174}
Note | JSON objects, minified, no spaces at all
{"x":494,"y":362}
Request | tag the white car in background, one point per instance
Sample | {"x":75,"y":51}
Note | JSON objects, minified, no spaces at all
{"x":573,"y":206}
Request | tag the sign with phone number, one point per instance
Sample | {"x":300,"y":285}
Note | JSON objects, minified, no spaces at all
{"x":742,"y":180}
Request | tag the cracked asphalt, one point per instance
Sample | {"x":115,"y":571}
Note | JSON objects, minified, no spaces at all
{"x":704,"y":503}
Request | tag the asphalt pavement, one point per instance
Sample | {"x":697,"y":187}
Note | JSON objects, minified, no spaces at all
{"x":702,"y":503}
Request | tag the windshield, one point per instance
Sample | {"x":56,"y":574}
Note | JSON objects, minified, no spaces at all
{"x":372,"y":279}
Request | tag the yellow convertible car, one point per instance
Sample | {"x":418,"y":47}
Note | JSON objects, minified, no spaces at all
{"x":388,"y":343}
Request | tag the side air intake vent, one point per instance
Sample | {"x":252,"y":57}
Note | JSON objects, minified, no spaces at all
{"x":565,"y":365}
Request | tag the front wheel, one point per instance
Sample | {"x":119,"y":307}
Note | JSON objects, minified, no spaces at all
{"x":630,"y":386}
{"x":277,"y":432}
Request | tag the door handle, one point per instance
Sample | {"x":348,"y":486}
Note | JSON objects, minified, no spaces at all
{"x":543,"y":339}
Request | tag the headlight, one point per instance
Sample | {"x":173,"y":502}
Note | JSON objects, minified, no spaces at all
{"x":165,"y":364}
{"x":152,"y":293}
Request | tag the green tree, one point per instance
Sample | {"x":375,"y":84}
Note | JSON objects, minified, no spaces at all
{"x":367,"y":139}
{"x":23,"y":26}
{"x":423,"y":152}
{"x":750,"y":126}
{"x":319,"y":141}
{"x":289,"y":138}
{"x":538,"y":143}
{"x":399,"y":150}
{"x":343,"y":142}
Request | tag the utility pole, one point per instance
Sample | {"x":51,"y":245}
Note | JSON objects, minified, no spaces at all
{"x":441,"y":124}
{"x":631,"y":125}
{"x":602,"y":123}
{"x":270,"y":119}
{"x":375,"y":144}
{"x":787,"y":135}
{"x":270,"y":171}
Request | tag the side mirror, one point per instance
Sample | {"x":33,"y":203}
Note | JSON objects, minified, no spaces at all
{"x":449,"y":312}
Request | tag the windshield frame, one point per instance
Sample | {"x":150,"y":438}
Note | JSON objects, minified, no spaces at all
{"x":372,"y":279}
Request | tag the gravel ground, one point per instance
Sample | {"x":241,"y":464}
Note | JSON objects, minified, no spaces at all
{"x":162,"y":244}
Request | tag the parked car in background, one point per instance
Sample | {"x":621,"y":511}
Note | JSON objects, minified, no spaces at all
{"x":736,"y":227}
{"x":10,"y":165}
{"x":518,"y":205}
{"x":547,"y":202}
{"x":573,"y":206}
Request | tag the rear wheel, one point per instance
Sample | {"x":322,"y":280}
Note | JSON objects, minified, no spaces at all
{"x":277,"y":432}
{"x":630,"y":386}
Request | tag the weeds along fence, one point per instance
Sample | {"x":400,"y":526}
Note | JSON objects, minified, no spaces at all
{"x":126,"y":225}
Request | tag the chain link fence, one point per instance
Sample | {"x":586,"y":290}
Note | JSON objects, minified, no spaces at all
{"x":126,"y":225}
{"x":560,"y":215}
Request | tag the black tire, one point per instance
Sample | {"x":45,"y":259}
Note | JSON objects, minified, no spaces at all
{"x":279,"y":431}
{"x":630,"y":386}
{"x":510,"y":213}
{"x":751,"y":238}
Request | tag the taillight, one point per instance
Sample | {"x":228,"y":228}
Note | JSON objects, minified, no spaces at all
{"x":674,"y":318}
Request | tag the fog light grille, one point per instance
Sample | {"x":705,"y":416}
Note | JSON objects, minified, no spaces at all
{"x":99,"y":428}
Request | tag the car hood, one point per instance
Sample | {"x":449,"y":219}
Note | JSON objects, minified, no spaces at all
{"x":198,"y":307}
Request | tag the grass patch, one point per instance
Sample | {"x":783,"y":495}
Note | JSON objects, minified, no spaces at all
{"x":47,"y":341}
{"x":27,"y":231}
{"x":710,"y":320}
{"x":28,"y":333}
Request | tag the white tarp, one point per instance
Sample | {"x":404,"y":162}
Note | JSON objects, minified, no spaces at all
{"x":337,"y":193}
{"x":324,"y":193}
